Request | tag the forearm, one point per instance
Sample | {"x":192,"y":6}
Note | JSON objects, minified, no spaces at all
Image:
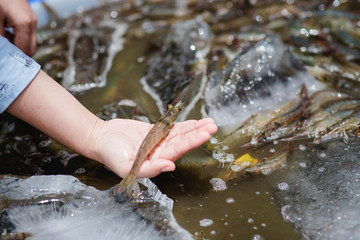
{"x":53,"y":110}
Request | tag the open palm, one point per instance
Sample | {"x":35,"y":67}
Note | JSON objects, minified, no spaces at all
{"x":119,"y":141}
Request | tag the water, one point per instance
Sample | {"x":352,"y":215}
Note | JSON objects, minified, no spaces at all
{"x":252,"y":207}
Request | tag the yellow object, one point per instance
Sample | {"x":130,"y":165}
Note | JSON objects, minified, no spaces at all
{"x":246,"y":158}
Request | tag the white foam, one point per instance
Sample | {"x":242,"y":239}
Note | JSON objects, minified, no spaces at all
{"x":206,"y":222}
{"x":218,"y":184}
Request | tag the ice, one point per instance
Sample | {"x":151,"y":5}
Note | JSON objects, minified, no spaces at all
{"x":260,"y":77}
{"x":180,"y":69}
{"x":61,"y":207}
{"x":323,"y":200}
{"x":79,"y":68}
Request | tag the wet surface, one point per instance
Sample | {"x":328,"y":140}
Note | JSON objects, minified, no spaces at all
{"x":324,"y":40}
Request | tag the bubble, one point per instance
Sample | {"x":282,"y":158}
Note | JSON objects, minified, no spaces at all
{"x":46,"y":159}
{"x":44,"y":143}
{"x":236,"y":168}
{"x":62,"y":154}
{"x":321,"y":169}
{"x":257,"y":193}
{"x":263,"y":224}
{"x":230,"y":200}
{"x":283,"y":186}
{"x":206,"y":222}
{"x":80,"y":171}
{"x":302,"y":147}
{"x":59,"y":75}
{"x":212,"y":232}
{"x":257,"y":237}
{"x":302,"y":164}
{"x":272,"y":150}
{"x":223,"y":157}
{"x":266,"y":171}
{"x":213,"y":140}
{"x":141,"y":59}
{"x":250,"y":220}
{"x":218,"y":184}
{"x":322,"y":155}
{"x":53,"y":24}
{"x":114,"y":14}
{"x":258,"y":18}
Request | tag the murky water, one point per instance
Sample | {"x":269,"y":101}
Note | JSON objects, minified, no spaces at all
{"x":253,"y":211}
{"x":249,"y":207}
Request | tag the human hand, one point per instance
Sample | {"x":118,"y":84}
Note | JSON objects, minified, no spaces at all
{"x":117,"y":142}
{"x":17,"y":14}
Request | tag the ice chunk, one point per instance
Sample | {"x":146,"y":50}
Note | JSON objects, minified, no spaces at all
{"x":72,"y":210}
{"x":259,"y":78}
{"x":89,"y":69}
{"x":322,"y":204}
{"x":180,"y":68}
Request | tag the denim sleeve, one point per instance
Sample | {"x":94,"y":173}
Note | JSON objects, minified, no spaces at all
{"x":16,"y":72}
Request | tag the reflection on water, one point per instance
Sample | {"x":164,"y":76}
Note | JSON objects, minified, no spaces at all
{"x":257,"y":54}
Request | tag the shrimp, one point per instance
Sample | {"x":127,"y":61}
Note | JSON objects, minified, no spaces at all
{"x":129,"y":187}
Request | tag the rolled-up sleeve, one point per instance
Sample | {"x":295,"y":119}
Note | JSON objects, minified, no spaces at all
{"x":16,"y":72}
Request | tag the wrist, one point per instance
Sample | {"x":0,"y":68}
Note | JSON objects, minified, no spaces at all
{"x":94,"y":141}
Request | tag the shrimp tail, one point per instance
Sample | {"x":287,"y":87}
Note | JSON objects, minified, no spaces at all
{"x":127,"y":188}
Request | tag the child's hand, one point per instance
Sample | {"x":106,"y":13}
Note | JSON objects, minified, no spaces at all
{"x":17,"y":14}
{"x":53,"y":110}
{"x":117,"y":142}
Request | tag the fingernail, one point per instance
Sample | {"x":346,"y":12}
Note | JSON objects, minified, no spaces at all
{"x":167,"y":169}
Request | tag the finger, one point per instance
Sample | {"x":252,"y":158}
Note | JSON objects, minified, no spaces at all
{"x":180,"y":145}
{"x":154,"y":168}
{"x":25,"y":35}
{"x":192,"y":125}
{"x":22,"y":39}
{"x":33,"y":36}
{"x":195,"y":134}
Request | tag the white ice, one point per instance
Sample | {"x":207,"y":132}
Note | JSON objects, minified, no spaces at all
{"x":266,"y":78}
{"x":72,"y":210}
{"x":323,"y":199}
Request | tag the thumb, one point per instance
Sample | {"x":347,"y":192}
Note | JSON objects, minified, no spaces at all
{"x":155,"y":167}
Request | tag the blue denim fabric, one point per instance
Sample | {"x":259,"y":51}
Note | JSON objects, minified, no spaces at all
{"x":16,"y":72}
